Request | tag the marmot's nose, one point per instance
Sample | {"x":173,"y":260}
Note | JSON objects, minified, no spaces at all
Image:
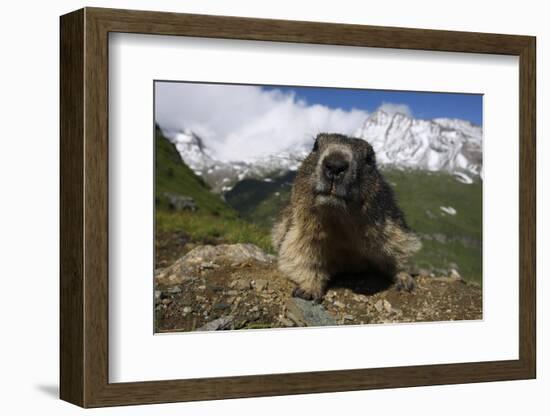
{"x":335,"y":164}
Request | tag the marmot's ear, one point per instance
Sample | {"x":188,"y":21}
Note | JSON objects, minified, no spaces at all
{"x":316,"y":145}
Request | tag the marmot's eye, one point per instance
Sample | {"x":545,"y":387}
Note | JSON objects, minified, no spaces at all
{"x":316,"y":145}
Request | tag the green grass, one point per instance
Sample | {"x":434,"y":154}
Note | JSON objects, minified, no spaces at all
{"x":418,"y":192}
{"x":173,"y":176}
{"x":421,"y":194}
{"x":214,"y":221}
{"x":209,"y":229}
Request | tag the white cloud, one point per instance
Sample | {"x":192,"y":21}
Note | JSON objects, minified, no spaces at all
{"x":393,"y":108}
{"x":244,"y":122}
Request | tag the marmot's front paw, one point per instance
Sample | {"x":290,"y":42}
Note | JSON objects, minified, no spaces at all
{"x":298,"y":292}
{"x":404,"y":281}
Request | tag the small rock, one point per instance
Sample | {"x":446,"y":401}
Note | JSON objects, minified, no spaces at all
{"x":187,"y":309}
{"x":387,"y":306}
{"x":379,"y":305}
{"x":305,"y":313}
{"x":423,"y":272}
{"x":208,"y":266}
{"x":166,"y":301}
{"x":454,"y":274}
{"x":330,"y":295}
{"x":254,"y":309}
{"x":175,"y":289}
{"x":453,"y":265}
{"x":180,"y":202}
{"x":360,"y":298}
{"x":339,"y":304}
{"x":414,"y":271}
{"x":285,"y":321}
{"x":158,"y":294}
{"x":349,"y":317}
{"x":240,"y":284}
{"x":221,"y":306}
{"x":260,"y":284}
{"x":217,"y":324}
{"x":396,"y":311}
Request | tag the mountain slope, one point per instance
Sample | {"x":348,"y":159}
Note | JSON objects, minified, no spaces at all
{"x":212,"y":222}
{"x":173,"y":176}
{"x":435,"y":145}
{"x":401,"y":142}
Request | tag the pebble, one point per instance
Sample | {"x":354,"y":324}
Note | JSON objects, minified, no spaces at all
{"x":453,"y":265}
{"x":187,"y":309}
{"x":349,"y":317}
{"x":209,"y":266}
{"x":339,"y":304}
{"x":220,"y":306}
{"x":254,"y":309}
{"x":285,"y":321}
{"x":379,"y":305}
{"x":175,"y":289}
{"x":166,"y":301}
{"x":330,"y":295}
{"x":260,"y":284}
{"x":158,"y":294}
{"x":454,"y":274}
{"x":240,"y":284}
{"x":387,"y":306}
{"x":360,"y":298}
{"x":218,"y":324}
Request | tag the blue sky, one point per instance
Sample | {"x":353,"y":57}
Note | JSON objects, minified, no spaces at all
{"x":244,"y":122}
{"x":425,"y":105}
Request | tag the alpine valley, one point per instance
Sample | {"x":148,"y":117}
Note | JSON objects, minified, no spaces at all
{"x":434,"y":167}
{"x":402,"y":142}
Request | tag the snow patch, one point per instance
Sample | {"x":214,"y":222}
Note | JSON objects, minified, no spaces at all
{"x":448,"y":210}
{"x":462,"y":177}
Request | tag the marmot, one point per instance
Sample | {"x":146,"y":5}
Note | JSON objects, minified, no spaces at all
{"x":342,"y":218}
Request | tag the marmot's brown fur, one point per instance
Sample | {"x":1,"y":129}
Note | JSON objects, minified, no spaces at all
{"x":342,"y":218}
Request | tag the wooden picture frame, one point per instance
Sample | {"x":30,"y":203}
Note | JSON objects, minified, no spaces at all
{"x":84,"y":207}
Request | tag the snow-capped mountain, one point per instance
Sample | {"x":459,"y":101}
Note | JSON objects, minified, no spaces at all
{"x":222,"y":176}
{"x":192,"y":150}
{"x":440,"y":144}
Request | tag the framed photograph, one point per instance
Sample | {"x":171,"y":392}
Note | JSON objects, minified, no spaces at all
{"x":255,"y":207}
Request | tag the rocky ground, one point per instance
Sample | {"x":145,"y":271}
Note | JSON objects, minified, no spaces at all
{"x":238,"y":286}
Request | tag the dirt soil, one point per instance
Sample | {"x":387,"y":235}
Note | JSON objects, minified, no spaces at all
{"x":209,"y":290}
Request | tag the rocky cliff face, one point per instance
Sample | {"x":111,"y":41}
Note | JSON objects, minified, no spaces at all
{"x":434,"y":145}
